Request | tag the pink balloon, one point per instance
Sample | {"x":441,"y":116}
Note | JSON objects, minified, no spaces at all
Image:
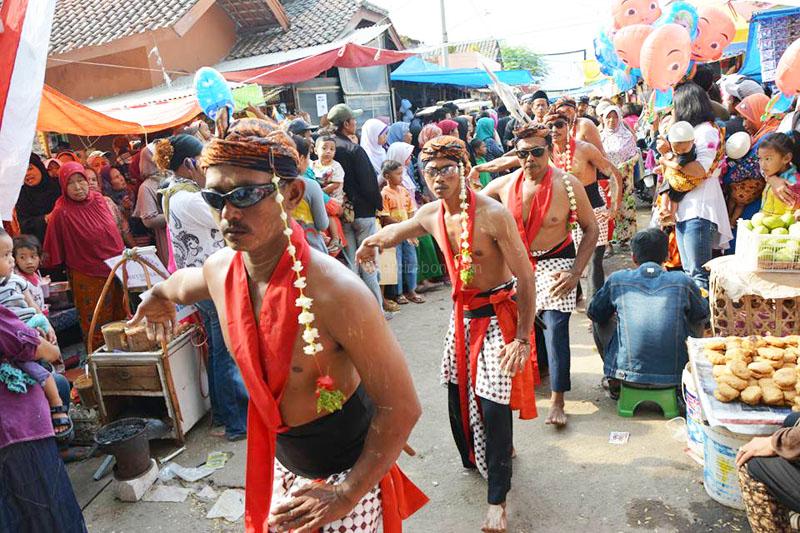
{"x":715,"y":31}
{"x":627,"y":12}
{"x":628,"y":43}
{"x":787,"y":77}
{"x":665,"y":56}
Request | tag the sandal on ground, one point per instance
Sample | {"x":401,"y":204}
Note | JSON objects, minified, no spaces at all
{"x":62,"y":425}
{"x":390,"y":306}
{"x":402,"y":300}
{"x":416,"y":298}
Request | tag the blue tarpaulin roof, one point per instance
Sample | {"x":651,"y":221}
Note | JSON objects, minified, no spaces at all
{"x":417,"y":70}
{"x":752,"y":56}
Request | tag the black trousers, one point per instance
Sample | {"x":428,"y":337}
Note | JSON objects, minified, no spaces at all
{"x":498,"y":429}
{"x":781,"y":477}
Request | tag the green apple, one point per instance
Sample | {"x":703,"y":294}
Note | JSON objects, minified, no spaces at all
{"x":780,"y":231}
{"x":748,"y":224}
{"x":784,"y":256}
{"x":758,"y":219}
{"x":760,"y":230}
{"x":787,"y":219}
{"x":773,"y":222}
{"x":794,"y":229}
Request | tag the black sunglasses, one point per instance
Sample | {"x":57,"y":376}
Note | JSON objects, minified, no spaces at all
{"x":535,"y":152}
{"x":240,"y":197}
{"x":558,"y":124}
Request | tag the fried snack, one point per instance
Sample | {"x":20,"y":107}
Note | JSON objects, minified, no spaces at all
{"x":772,"y":395}
{"x":739,"y":369}
{"x":775,"y":364}
{"x":718,"y":370}
{"x":715,"y":358}
{"x":751,"y":395}
{"x":748,"y":345}
{"x":792,"y":340}
{"x":716,"y":345}
{"x":753,"y":382}
{"x":726,"y":393}
{"x":767,"y":382}
{"x":736,"y":354}
{"x":769,"y":352}
{"x":790,"y":355}
{"x":793,"y":366}
{"x":733,"y":381}
{"x":778,"y":342}
{"x":789,"y":396}
{"x":785,"y":378}
{"x":760,"y":369}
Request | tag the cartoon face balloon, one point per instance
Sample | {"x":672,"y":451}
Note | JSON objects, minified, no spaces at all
{"x":627,"y":12}
{"x":665,"y":56}
{"x":715,"y":31}
{"x":787,"y":77}
{"x":628,"y":43}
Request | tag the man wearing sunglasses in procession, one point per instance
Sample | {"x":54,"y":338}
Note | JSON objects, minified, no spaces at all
{"x":546,"y":203}
{"x":487,"y":365}
{"x":330,"y":399}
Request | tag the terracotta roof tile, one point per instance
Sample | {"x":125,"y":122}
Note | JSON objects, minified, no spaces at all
{"x":312,"y":22}
{"x":82,"y":23}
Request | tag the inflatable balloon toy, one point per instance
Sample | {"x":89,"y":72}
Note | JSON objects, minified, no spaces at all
{"x":715,"y":31}
{"x":787,"y":78}
{"x":664,"y":60}
{"x":213,"y":93}
{"x":681,"y":13}
{"x":606,"y":56}
{"x":625,"y":79}
{"x":627,"y":12}
{"x":628,"y":43}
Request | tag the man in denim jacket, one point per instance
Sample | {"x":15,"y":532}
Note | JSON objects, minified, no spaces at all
{"x":656,"y":310}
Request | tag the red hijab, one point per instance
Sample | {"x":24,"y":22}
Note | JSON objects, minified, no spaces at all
{"x":81,"y":235}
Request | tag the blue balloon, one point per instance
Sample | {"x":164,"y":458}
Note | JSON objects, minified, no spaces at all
{"x":606,"y":55}
{"x":213,"y":93}
{"x":663,"y":99}
{"x":625,"y":80}
{"x":683,"y":14}
{"x":781,"y":103}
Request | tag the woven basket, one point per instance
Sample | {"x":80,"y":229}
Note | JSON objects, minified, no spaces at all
{"x":752,"y":315}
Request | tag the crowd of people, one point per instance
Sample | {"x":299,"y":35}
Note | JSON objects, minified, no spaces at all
{"x":508,"y":211}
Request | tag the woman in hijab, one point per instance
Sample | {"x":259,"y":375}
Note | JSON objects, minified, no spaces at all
{"x":81,"y":216}
{"x":448,"y":126}
{"x":399,"y":132}
{"x":751,"y":109}
{"x":405,"y":110}
{"x":373,"y":137}
{"x":36,"y":199}
{"x":53,"y":166}
{"x":484,"y":130}
{"x":620,"y":145}
{"x":428,"y":132}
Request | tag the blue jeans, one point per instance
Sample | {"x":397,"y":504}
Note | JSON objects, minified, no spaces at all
{"x":552,"y":348}
{"x":229,"y":397}
{"x":406,"y":267}
{"x":695,"y":238}
{"x":355,"y":233}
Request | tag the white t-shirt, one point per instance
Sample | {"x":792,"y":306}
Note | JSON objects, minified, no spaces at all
{"x":194,"y":233}
{"x":707,"y":201}
{"x":327,"y":174}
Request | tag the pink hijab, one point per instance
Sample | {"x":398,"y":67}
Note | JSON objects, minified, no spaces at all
{"x":431,"y":131}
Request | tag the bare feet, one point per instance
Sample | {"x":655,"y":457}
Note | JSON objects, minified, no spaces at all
{"x":557,"y":417}
{"x":495,"y":521}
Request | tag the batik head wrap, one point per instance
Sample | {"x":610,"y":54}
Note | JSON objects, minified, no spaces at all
{"x":447,"y":147}
{"x":532,"y":129}
{"x":565,"y":101}
{"x":254,"y":144}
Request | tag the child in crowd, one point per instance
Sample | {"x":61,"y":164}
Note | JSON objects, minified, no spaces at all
{"x":27,"y":256}
{"x":398,"y":207}
{"x":680,"y":149}
{"x":15,"y":295}
{"x":776,"y":152}
{"x":479,"y":149}
{"x":330,"y":175}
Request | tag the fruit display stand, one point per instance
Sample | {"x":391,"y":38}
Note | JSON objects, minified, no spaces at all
{"x":775,"y":247}
{"x":747,"y":302}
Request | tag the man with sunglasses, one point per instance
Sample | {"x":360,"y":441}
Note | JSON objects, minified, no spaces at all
{"x":581,"y":128}
{"x":545,"y":202}
{"x":259,"y":284}
{"x":486,"y":365}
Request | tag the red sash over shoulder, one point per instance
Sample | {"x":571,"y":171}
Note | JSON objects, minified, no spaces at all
{"x":522,"y":393}
{"x":263,"y":352}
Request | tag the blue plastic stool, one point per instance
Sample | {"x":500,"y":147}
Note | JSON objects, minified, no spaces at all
{"x":630,"y":397}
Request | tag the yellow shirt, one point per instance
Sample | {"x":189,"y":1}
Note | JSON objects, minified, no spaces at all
{"x":397,"y":203}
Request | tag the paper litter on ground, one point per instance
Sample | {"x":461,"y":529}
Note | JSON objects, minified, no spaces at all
{"x":189,"y":475}
{"x":166,"y":493}
{"x":229,"y":506}
{"x":618,"y":437}
{"x":217,"y":460}
{"x":207,"y":494}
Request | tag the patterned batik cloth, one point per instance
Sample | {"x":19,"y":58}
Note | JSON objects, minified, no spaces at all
{"x":366,"y":516}
{"x":491,"y":382}
{"x":601,"y":215}
{"x":764,"y":512}
{"x":546,"y":270}
{"x":86,"y":292}
{"x":625,"y":227}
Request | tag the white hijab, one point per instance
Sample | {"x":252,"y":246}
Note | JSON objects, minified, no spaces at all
{"x":370,"y":132}
{"x":400,"y":152}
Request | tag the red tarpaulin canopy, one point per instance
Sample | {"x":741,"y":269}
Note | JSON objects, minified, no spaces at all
{"x":348,"y":56}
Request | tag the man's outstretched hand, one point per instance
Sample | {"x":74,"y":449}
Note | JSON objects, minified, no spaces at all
{"x":158,"y":314}
{"x":367,"y":256}
{"x":310,"y":508}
